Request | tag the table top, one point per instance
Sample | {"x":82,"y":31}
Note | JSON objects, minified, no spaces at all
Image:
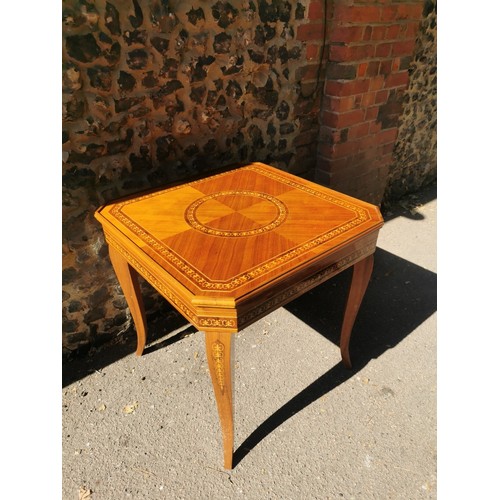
{"x":229,"y":234}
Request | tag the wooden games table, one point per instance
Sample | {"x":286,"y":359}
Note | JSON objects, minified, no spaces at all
{"x":227,"y":250}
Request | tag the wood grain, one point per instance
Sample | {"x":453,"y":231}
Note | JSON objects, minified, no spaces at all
{"x":229,"y":249}
{"x":258,"y":228}
{"x":220,"y":363}
{"x":360,"y":278}
{"x":127,"y":277}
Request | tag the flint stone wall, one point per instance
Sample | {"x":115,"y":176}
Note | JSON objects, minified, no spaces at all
{"x":158,"y":91}
{"x":415,"y":151}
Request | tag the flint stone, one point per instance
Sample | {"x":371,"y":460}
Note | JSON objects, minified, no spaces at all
{"x":286,"y":128}
{"x":127,"y":103}
{"x":121,"y":146}
{"x":68,"y":275}
{"x":271,"y":129}
{"x":83,"y":176}
{"x":170,"y":67}
{"x":233,"y":89}
{"x":224,"y":13}
{"x":105,"y":38}
{"x":149,"y":81}
{"x":100,"y":77}
{"x":74,"y":109}
{"x":181,"y":40}
{"x":69,"y":326}
{"x":197,"y":94}
{"x":160,"y":44}
{"x":222,"y":43}
{"x":192,"y":150}
{"x":137,"y":19}
{"x":137,"y":59}
{"x":274,"y":11}
{"x":256,"y":57}
{"x":83,"y":48}
{"x":126,"y":81}
{"x":299,"y":11}
{"x":112,"y":19}
{"x":71,"y":78}
{"x":113,"y":54}
{"x":136,"y":36}
{"x":195,"y":15}
{"x":75,"y":306}
{"x":165,"y":146}
{"x":282,"y":111}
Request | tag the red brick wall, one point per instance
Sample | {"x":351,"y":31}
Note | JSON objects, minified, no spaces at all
{"x":369,"y":47}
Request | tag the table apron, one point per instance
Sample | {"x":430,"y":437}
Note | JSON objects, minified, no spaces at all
{"x":151,"y":272}
{"x":259,"y":302}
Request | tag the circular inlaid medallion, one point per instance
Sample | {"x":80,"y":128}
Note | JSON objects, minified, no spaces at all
{"x":236,"y":213}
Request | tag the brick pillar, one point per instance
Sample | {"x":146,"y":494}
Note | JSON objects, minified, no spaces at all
{"x":370,"y":45}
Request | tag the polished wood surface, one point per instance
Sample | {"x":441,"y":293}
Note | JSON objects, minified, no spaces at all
{"x":127,"y":277}
{"x":220,"y":364}
{"x":228,"y":249}
{"x":217,"y":246}
{"x":360,"y":278}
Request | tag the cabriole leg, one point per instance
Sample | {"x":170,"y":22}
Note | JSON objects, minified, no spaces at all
{"x":220,"y":363}
{"x":128,"y":279}
{"x":360,"y":278}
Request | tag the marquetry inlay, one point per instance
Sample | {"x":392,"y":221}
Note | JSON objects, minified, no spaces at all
{"x":153,"y":280}
{"x":200,"y":321}
{"x":243,"y":214}
{"x":231,"y":200}
{"x":217,"y":322}
{"x":283,"y":297}
{"x":230,"y":248}
{"x":218,"y":359}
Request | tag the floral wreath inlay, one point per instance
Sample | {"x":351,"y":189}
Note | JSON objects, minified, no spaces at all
{"x":191,"y":214}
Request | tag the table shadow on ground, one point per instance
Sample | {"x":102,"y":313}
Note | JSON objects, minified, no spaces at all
{"x":401,"y":296}
{"x":165,"y":327}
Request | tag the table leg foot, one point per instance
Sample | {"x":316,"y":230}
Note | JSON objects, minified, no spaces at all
{"x":361,"y":276}
{"x":128,"y":279}
{"x":220,"y":363}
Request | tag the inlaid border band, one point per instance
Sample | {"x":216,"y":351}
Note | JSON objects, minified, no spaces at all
{"x":191,"y":218}
{"x":203,"y":282}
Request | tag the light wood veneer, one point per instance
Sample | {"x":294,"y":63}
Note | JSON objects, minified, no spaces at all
{"x":229,"y":249}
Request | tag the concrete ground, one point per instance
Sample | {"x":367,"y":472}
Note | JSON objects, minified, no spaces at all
{"x":305,"y":427}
